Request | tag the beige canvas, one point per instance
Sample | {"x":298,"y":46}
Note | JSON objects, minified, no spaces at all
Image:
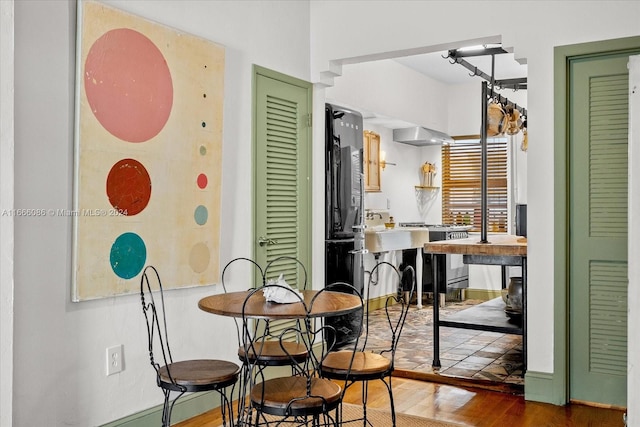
{"x":148,"y":154}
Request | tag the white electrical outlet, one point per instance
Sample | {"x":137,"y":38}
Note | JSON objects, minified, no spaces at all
{"x":115,"y":359}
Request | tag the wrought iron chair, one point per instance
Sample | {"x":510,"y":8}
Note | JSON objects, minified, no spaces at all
{"x":185,"y":375}
{"x":273,"y":351}
{"x":282,"y":264}
{"x":368,"y":363}
{"x":304,"y":397}
{"x":225,"y":271}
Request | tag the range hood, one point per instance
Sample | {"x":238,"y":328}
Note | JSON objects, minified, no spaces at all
{"x":420,"y":136}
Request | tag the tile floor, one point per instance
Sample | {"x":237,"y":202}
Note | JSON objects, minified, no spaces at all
{"x":464,"y":353}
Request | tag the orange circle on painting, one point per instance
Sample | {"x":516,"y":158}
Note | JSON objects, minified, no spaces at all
{"x":129,"y":187}
{"x":128,"y":85}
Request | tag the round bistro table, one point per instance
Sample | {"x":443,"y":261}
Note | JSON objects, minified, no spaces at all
{"x":327,"y":304}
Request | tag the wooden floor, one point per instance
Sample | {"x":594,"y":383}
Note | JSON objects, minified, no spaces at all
{"x":466,"y":406}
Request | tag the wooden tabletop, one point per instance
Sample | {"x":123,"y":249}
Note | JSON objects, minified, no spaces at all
{"x":327,"y":304}
{"x":499,"y":244}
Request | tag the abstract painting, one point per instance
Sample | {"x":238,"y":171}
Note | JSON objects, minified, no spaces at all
{"x":148,"y":147}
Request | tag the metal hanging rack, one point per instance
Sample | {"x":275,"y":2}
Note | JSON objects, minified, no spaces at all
{"x":487,"y":93}
{"x":456,"y":56}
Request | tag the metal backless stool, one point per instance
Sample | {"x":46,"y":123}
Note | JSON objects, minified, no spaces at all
{"x":180,"y":376}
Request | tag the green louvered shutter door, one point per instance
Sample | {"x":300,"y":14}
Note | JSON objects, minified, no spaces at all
{"x":598,"y":230}
{"x":282,"y":180}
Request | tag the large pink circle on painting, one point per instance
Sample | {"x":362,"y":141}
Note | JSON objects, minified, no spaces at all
{"x":128,"y":85}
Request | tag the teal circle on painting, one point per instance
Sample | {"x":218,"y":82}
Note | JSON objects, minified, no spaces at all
{"x":201,"y":215}
{"x":128,"y":255}
{"x":203,"y":150}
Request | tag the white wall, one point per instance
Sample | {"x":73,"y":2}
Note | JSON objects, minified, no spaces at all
{"x":6,"y":204}
{"x":391,"y":89}
{"x":397,"y":195}
{"x":381,"y":29}
{"x":59,"y":350}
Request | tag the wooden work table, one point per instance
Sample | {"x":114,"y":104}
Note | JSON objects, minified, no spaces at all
{"x":501,"y":249}
{"x":499,"y":245}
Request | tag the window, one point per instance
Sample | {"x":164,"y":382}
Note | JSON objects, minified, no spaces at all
{"x":461,"y":164}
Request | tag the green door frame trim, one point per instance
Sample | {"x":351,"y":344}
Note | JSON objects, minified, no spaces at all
{"x":258,"y":70}
{"x":553,"y":388}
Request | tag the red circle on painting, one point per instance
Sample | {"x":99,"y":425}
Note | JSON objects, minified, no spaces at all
{"x":202,"y":181}
{"x":128,"y":187}
{"x":128,"y":85}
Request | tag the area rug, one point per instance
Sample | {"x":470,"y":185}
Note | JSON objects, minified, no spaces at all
{"x":377,"y":417}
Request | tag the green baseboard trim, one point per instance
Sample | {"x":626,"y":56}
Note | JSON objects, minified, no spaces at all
{"x":542,"y":387}
{"x":186,"y":407}
{"x":482,"y":294}
{"x":378,"y":302}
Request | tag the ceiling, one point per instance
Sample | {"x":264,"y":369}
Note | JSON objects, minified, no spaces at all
{"x":439,"y":68}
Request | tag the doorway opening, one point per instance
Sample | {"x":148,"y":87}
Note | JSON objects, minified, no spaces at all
{"x":403,"y":81}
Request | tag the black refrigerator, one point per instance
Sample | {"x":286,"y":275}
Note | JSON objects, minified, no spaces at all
{"x":344,"y":233}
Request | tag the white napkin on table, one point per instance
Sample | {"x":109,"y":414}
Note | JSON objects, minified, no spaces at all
{"x":284,"y":295}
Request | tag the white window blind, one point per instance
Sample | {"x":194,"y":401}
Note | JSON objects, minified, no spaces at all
{"x":461,"y":176}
